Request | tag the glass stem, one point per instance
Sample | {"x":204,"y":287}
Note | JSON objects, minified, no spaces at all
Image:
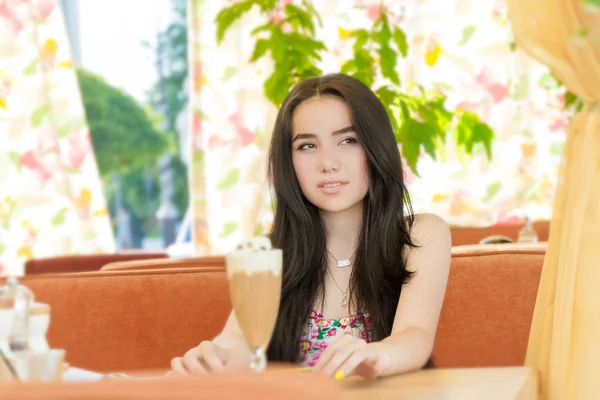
{"x":258,"y":360}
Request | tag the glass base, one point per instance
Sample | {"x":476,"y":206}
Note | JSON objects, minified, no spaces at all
{"x":258,"y":360}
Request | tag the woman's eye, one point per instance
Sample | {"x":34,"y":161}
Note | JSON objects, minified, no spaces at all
{"x":349,"y":140}
{"x":306,"y":146}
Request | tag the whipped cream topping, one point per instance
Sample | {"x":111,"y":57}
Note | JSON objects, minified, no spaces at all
{"x":253,"y":256}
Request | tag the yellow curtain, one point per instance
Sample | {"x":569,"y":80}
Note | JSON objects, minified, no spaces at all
{"x":564,"y":343}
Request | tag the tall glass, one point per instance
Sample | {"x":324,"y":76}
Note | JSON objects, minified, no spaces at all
{"x":254,"y":275}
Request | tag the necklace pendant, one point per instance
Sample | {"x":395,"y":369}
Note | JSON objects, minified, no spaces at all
{"x":343,"y":263}
{"x":345,"y":300}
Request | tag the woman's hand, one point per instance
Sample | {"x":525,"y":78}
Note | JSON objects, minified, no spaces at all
{"x":205,"y":357}
{"x":348,"y":356}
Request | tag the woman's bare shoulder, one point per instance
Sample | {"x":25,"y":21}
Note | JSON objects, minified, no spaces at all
{"x":427,"y":228}
{"x":429,"y":233}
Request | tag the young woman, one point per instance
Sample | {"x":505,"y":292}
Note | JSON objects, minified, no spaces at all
{"x":363,"y":279}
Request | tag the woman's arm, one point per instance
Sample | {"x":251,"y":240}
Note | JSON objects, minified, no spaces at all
{"x":226,"y":351}
{"x":232,"y":339}
{"x":411,"y":342}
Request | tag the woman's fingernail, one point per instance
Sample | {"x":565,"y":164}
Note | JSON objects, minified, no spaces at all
{"x":379,"y":367}
{"x":339,"y":374}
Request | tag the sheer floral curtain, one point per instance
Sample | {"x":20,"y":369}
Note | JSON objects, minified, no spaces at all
{"x":461,"y":47}
{"x":51,"y":202}
{"x":465,"y":48}
{"x":230,"y":126}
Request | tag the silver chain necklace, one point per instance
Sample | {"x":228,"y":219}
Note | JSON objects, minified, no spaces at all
{"x":344,"y":293}
{"x":342,"y":263}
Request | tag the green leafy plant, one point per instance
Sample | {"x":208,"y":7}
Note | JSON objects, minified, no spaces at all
{"x":573,"y":103}
{"x":421,"y":121}
{"x":419,"y":116}
{"x":549,"y":81}
{"x":122,"y":131}
{"x":288,"y":39}
{"x":126,"y":144}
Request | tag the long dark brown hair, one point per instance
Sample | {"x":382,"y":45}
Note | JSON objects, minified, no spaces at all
{"x":379,"y":265}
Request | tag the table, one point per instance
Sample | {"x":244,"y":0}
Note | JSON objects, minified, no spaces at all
{"x":510,"y":383}
{"x":500,"y":383}
{"x":505,"y":383}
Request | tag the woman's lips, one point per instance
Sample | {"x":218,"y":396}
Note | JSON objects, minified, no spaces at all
{"x":331,"y":186}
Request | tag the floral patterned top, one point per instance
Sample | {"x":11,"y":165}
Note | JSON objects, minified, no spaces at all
{"x":320,"y":332}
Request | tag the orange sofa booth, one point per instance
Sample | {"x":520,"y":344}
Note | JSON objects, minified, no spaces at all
{"x":123,"y":320}
{"x":464,"y":235}
{"x":94,"y":262}
{"x":82,"y":263}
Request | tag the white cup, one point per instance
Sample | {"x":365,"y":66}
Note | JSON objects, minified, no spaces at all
{"x":39,"y":321}
{"x":44,"y":366}
{"x":6,"y":322}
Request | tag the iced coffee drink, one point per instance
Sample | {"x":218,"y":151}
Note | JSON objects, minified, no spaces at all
{"x":254,"y":274}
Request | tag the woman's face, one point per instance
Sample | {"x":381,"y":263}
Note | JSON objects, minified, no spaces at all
{"x":328,"y":159}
